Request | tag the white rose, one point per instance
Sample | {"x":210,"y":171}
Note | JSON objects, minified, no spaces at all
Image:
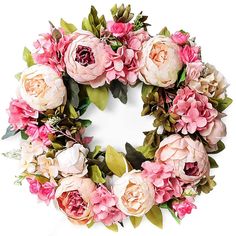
{"x":135,"y":194}
{"x":160,"y":62}
{"x":42,"y":88}
{"x":73,"y":160}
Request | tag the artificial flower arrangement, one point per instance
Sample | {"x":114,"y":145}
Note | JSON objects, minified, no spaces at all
{"x":68,"y":70}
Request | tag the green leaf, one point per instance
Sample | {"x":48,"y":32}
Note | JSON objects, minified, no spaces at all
{"x":9,"y":132}
{"x":182,"y":77}
{"x":96,"y":151}
{"x":18,"y":76}
{"x":223,"y":104}
{"x":57,"y":146}
{"x":165,"y":206}
{"x":135,"y":221}
{"x":119,"y":90}
{"x":96,"y":175}
{"x":85,"y":123}
{"x":83,"y":105}
{"x":114,"y":10}
{"x":68,"y":27}
{"x":13,"y":154}
{"x":73,"y":112}
{"x":220,"y":148}
{"x":98,"y":96}
{"x":146,"y":89}
{"x":134,"y":157}
{"x":113,"y":227}
{"x":165,"y":32}
{"x":147,"y":150}
{"x":86,"y":25}
{"x":19,"y":179}
{"x":206,"y":185}
{"x":89,"y":225}
{"x":72,"y":92}
{"x":115,"y":161}
{"x":213,"y":163}
{"x":23,"y":135}
{"x":155,"y":216}
{"x":27,"y":56}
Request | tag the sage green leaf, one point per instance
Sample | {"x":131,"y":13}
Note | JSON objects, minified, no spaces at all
{"x":165,"y":32}
{"x":72,"y":112}
{"x":213,"y":163}
{"x":13,"y":154}
{"x":135,"y":221}
{"x":206,"y":185}
{"x":155,"y":216}
{"x":114,"y":10}
{"x":223,"y":103}
{"x":182,"y":77}
{"x":113,"y":227}
{"x":18,"y":76}
{"x":9,"y":132}
{"x":96,"y":175}
{"x":146,"y":89}
{"x":115,"y":161}
{"x":27,"y":56}
{"x":134,"y":157}
{"x":98,"y":96}
{"x":119,"y":90}
{"x":68,"y":27}
{"x":86,"y":25}
{"x":147,"y":150}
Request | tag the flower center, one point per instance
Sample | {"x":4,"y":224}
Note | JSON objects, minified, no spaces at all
{"x":159,"y":53}
{"x":191,"y":168}
{"x":36,"y":86}
{"x":84,"y":55}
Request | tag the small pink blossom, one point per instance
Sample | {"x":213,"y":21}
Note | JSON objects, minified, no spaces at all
{"x":34,"y":185}
{"x":161,"y":176}
{"x":21,"y":114}
{"x":47,"y":192}
{"x":119,"y":29}
{"x":194,"y":109}
{"x":183,"y":207}
{"x":51,"y":52}
{"x":180,"y":37}
{"x":104,"y":206}
{"x":190,"y":54}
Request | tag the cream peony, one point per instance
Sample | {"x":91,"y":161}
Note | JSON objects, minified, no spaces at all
{"x":135,"y":194}
{"x":73,"y":160}
{"x":160,"y":62}
{"x":188,"y":157}
{"x":42,"y":88}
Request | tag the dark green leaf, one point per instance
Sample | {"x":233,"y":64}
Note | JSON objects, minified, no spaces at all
{"x":220,"y":147}
{"x":155,"y":216}
{"x":9,"y":132}
{"x":85,"y":123}
{"x":27,"y":56}
{"x":23,"y":135}
{"x":119,"y":90}
{"x":83,"y":105}
{"x":68,"y":27}
{"x":72,"y":92}
{"x":213,"y":163}
{"x":134,"y":157}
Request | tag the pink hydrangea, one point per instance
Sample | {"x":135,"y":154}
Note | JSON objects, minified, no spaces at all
{"x":180,"y":37}
{"x":104,"y":206}
{"x":161,"y":176}
{"x":194,"y":109}
{"x":45,"y":192}
{"x":40,"y":133}
{"x":50,"y":51}
{"x":190,"y":54}
{"x":119,"y":29}
{"x":21,"y":114}
{"x":183,"y":207}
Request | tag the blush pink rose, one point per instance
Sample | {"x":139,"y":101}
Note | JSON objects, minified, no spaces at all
{"x":183,"y":207}
{"x":21,"y":114}
{"x":119,"y":29}
{"x":34,"y":185}
{"x":194,"y":109}
{"x":214,"y":132}
{"x":193,"y":71}
{"x":104,"y":207}
{"x":188,"y":157}
{"x":162,"y":177}
{"x":190,"y":54}
{"x":85,"y":59}
{"x":47,"y":192}
{"x":180,"y":37}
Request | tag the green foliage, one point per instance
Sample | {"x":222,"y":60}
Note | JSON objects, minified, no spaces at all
{"x":119,"y":90}
{"x":206,"y":185}
{"x":166,"y":206}
{"x":136,"y":221}
{"x":122,"y":13}
{"x":9,"y":132}
{"x":147,"y":150}
{"x":155,"y":216}
{"x":24,"y":136}
{"x":83,"y":105}
{"x":146,"y":90}
{"x":182,"y":77}
{"x":27,"y":56}
{"x":72,"y":112}
{"x":96,"y":175}
{"x":165,"y":32}
{"x":113,"y":227}
{"x":221,"y":104}
{"x":98,"y":96}
{"x":220,"y":148}
{"x":213,"y":163}
{"x":72,"y":91}
{"x":68,"y":27}
{"x":140,"y":23}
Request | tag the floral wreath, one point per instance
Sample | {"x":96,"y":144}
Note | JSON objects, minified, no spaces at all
{"x":67,"y":70}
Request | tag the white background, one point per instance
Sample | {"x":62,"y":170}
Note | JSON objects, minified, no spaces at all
{"x":212,"y":23}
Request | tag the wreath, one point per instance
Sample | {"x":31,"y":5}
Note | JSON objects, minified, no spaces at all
{"x":68,"y":70}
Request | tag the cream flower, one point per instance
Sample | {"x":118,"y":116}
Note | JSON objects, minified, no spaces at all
{"x":47,"y":166}
{"x":42,"y":88}
{"x":135,"y":194}
{"x":160,"y":62}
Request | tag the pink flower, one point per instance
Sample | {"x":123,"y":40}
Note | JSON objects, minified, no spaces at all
{"x":51,"y":52}
{"x":180,"y":37}
{"x":162,"y":177}
{"x":183,"y":207}
{"x":194,"y":110}
{"x":21,"y":114}
{"x":104,"y":207}
{"x":190,"y":54}
{"x":46,"y":192}
{"x":193,"y":71}
{"x":119,"y":29}
{"x":34,"y":185}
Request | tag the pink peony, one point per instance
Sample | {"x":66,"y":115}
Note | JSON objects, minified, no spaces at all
{"x":162,"y":177}
{"x":183,"y":207}
{"x":34,"y":185}
{"x":188,"y":157}
{"x":47,"y":192}
{"x":193,"y":71}
{"x":194,"y":110}
{"x":21,"y":114}
{"x":180,"y":37}
{"x":119,"y":29}
{"x":85,"y":59}
{"x":104,"y":206}
{"x":51,"y":52}
{"x":190,"y":54}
